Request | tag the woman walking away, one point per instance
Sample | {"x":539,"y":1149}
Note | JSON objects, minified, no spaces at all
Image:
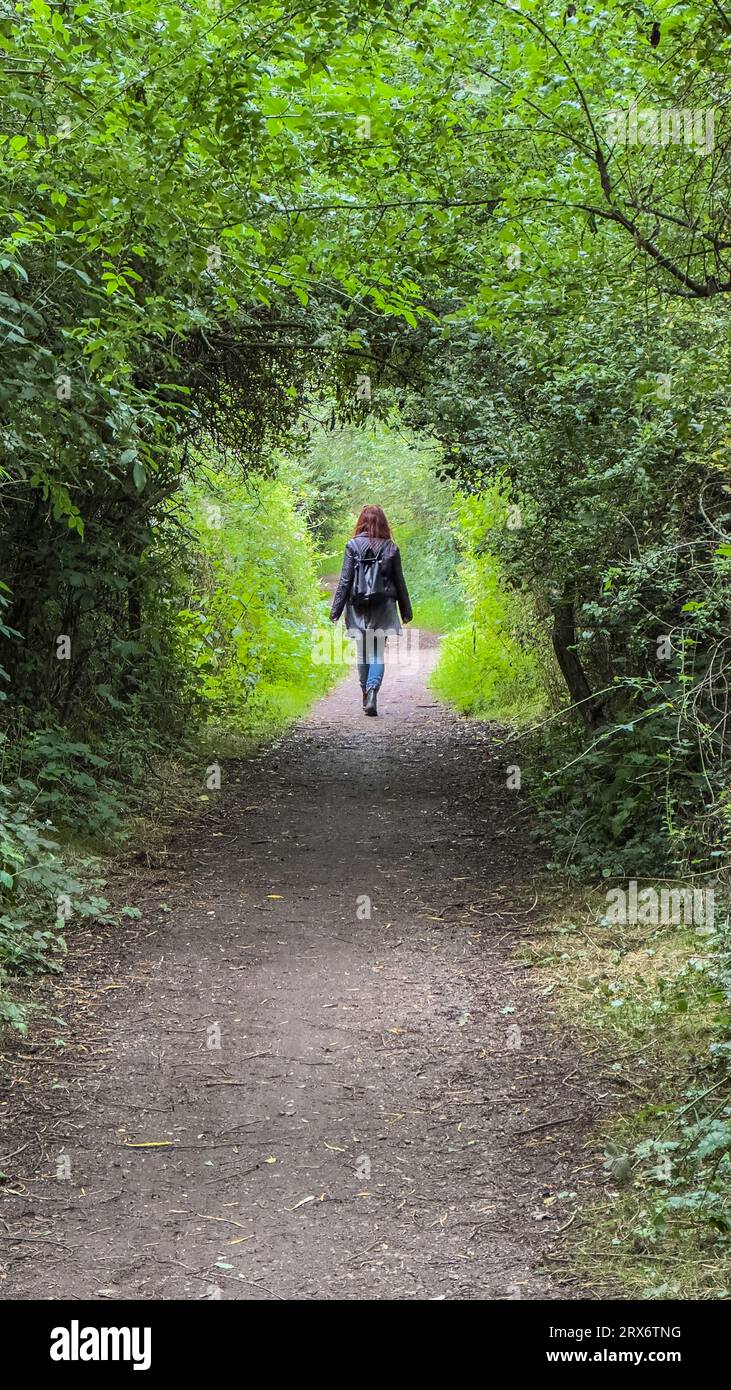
{"x":370,"y":588}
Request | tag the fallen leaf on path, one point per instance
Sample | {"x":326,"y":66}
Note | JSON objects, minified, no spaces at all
{"x":303,"y":1202}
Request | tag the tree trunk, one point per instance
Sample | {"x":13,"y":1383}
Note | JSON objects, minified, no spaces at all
{"x":564,"y":645}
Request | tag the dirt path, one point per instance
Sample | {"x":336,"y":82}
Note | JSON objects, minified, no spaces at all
{"x":372,"y":1125}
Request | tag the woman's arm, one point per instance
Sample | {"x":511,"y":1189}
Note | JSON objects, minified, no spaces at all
{"x":402,"y":593}
{"x":341,"y":593}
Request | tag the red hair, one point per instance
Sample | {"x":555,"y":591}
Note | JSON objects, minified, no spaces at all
{"x":372,"y":523}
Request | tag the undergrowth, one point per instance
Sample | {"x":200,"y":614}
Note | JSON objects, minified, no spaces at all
{"x":652,"y":1005}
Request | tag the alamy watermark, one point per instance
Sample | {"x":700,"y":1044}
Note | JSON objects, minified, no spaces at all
{"x":670,"y":126}
{"x":661,"y":907}
{"x":335,"y":645}
{"x":80,"y":1343}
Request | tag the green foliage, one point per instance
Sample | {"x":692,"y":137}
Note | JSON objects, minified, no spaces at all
{"x":52,"y":788}
{"x":66,"y":782}
{"x":490,"y":665}
{"x":253,"y":607}
{"x":681,"y":1161}
{"x":40,"y":888}
{"x":146,"y":214}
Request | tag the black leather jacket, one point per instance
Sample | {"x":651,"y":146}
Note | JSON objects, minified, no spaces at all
{"x":383,"y":615}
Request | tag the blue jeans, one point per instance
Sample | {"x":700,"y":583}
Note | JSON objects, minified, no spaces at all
{"x":370,"y":674}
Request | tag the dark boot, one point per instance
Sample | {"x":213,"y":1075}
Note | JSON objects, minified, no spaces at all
{"x":365,"y":693}
{"x":371,"y":702}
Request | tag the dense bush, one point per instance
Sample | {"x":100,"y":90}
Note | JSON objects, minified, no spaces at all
{"x":492,"y":664}
{"x":252,"y":603}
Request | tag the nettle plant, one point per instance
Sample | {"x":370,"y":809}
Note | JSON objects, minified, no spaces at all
{"x":41,"y":895}
{"x":44,"y":885}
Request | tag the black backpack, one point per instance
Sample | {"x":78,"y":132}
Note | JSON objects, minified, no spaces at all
{"x":368,"y":584}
